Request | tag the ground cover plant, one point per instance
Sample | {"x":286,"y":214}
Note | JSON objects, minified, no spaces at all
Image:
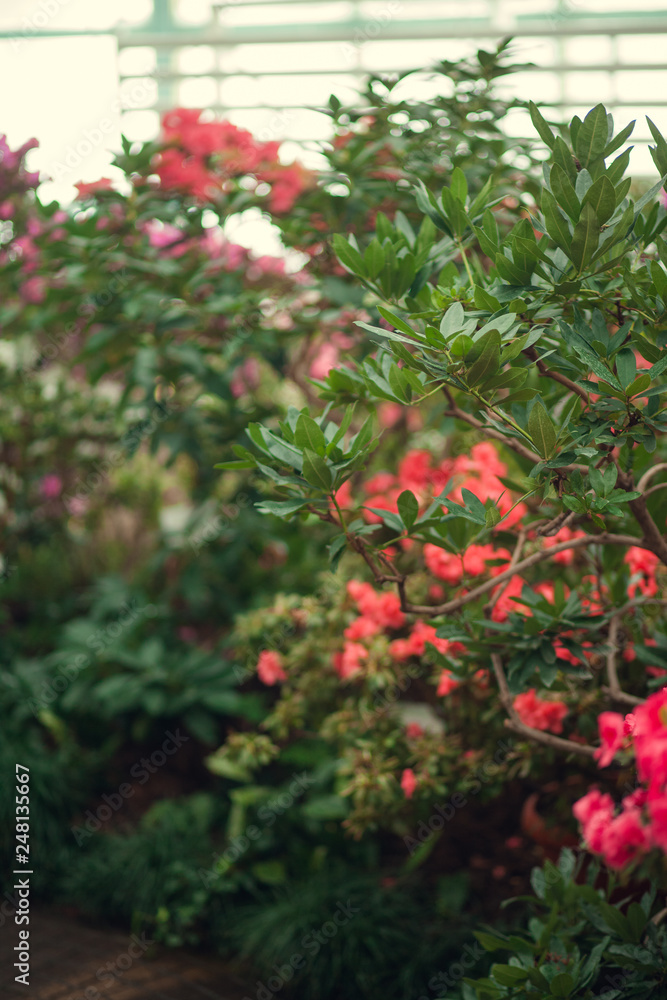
{"x":422,"y":600}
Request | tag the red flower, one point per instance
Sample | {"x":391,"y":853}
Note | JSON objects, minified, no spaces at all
{"x":540,"y":714}
{"x":88,"y":188}
{"x":611,"y":728}
{"x":408,"y":782}
{"x":446,"y":684}
{"x":270,"y":667}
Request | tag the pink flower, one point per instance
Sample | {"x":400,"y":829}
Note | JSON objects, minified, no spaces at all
{"x":88,"y":188}
{"x":408,"y":782}
{"x":657,"y":808}
{"x":33,"y":290}
{"x":643,"y":565}
{"x":445,"y":565}
{"x":446,"y":684}
{"x":610,"y":727}
{"x":384,"y":608}
{"x":506,"y":604}
{"x":270,"y":667}
{"x":164,"y":236}
{"x":540,"y":714}
{"x":50,"y":486}
{"x":564,"y":535}
{"x":348,"y":663}
{"x":623,"y":838}
{"x":326,"y":359}
{"x":415,"y":645}
{"x":594,"y":811}
{"x":413,"y":731}
{"x":361,"y":628}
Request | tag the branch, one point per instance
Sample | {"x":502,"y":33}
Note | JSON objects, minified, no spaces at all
{"x":648,"y":476}
{"x":545,"y":372}
{"x":515,"y":445}
{"x":516,"y":725}
{"x":553,"y":527}
{"x":513,"y":561}
{"x":654,"y":540}
{"x":614,"y":688}
{"x":537,"y":557}
{"x":654,"y":489}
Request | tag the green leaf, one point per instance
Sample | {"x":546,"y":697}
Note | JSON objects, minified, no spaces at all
{"x":614,"y":144}
{"x":426,"y":204}
{"x":586,"y":237}
{"x":541,"y":126}
{"x":459,"y":185}
{"x":591,"y":138}
{"x":583,"y":182}
{"x":640,"y":384}
{"x":601,"y":196}
{"x":309,"y":435}
{"x":562,"y":985}
{"x":396,"y":321}
{"x":556,"y":226}
{"x":399,"y":384}
{"x":336,"y":549}
{"x":637,"y":921}
{"x":281,"y":507}
{"x":650,"y":195}
{"x":659,"y":367}
{"x":374,"y":258}
{"x":239,"y":463}
{"x":316,"y":471}
{"x":488,"y":362}
{"x":508,"y":975}
{"x":483,"y":300}
{"x":564,"y":192}
{"x":349,"y":257}
{"x":626,"y":367}
{"x":541,"y":430}
{"x":408,"y":508}
{"x":489,"y":941}
{"x":453,"y":321}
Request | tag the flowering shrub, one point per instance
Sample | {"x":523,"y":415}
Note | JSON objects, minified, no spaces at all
{"x":538,"y":353}
{"x":486,"y":473}
{"x":641,"y":824}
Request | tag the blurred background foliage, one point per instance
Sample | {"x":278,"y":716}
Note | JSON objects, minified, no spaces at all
{"x":139,"y":584}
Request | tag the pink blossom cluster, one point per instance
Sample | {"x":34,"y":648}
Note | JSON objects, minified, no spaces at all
{"x":643,"y":565}
{"x":640,"y":825}
{"x":538,"y":713}
{"x":201,"y":156}
{"x":14,"y":178}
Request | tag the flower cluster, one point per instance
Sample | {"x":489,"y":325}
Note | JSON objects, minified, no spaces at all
{"x":641,"y":824}
{"x":201,"y":157}
{"x":539,"y":713}
{"x":14,"y":178}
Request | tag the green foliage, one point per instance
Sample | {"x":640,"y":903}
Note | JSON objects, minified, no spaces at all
{"x":578,"y":943}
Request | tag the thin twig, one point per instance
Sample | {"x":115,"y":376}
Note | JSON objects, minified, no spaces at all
{"x":614,"y":688}
{"x":537,"y":557}
{"x":516,"y":725}
{"x":654,"y":489}
{"x":649,"y":474}
{"x":509,"y":442}
{"x":546,"y":372}
{"x":553,"y":526}
{"x":516,"y":555}
{"x":651,"y":532}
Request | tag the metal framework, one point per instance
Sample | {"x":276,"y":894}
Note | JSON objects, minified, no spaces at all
{"x":245,"y":36}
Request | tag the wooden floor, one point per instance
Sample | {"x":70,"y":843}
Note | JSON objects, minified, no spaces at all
{"x":72,"y":961}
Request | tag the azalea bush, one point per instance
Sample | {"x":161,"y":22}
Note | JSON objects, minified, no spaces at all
{"x":523,"y":550}
{"x":428,"y":576}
